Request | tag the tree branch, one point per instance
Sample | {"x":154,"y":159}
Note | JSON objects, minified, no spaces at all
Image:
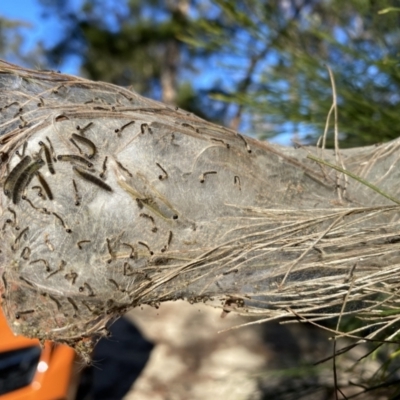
{"x":150,"y":204}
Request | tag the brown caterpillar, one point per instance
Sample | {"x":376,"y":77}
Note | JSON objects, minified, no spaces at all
{"x":91,"y":178}
{"x":45,"y":186}
{"x":24,"y":179}
{"x":14,"y":175}
{"x":47,"y":155}
{"x":87,"y":143}
{"x":73,"y":157}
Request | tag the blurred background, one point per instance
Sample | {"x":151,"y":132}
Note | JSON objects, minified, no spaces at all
{"x":258,"y":66}
{"x":254,"y":65}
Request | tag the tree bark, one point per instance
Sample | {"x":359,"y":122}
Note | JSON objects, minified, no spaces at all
{"x":111,"y":200}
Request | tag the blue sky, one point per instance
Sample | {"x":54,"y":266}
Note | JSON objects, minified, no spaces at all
{"x":39,"y":29}
{"x":27,"y":11}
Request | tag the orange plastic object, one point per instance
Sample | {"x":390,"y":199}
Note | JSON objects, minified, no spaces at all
{"x":55,"y":370}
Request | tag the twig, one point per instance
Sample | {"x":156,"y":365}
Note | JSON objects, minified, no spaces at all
{"x":338,"y":156}
{"x":309,"y":248}
{"x":355,"y":177}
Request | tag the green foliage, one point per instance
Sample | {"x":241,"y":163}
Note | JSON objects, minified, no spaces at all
{"x":137,"y":44}
{"x":292,"y":44}
{"x":264,"y":61}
